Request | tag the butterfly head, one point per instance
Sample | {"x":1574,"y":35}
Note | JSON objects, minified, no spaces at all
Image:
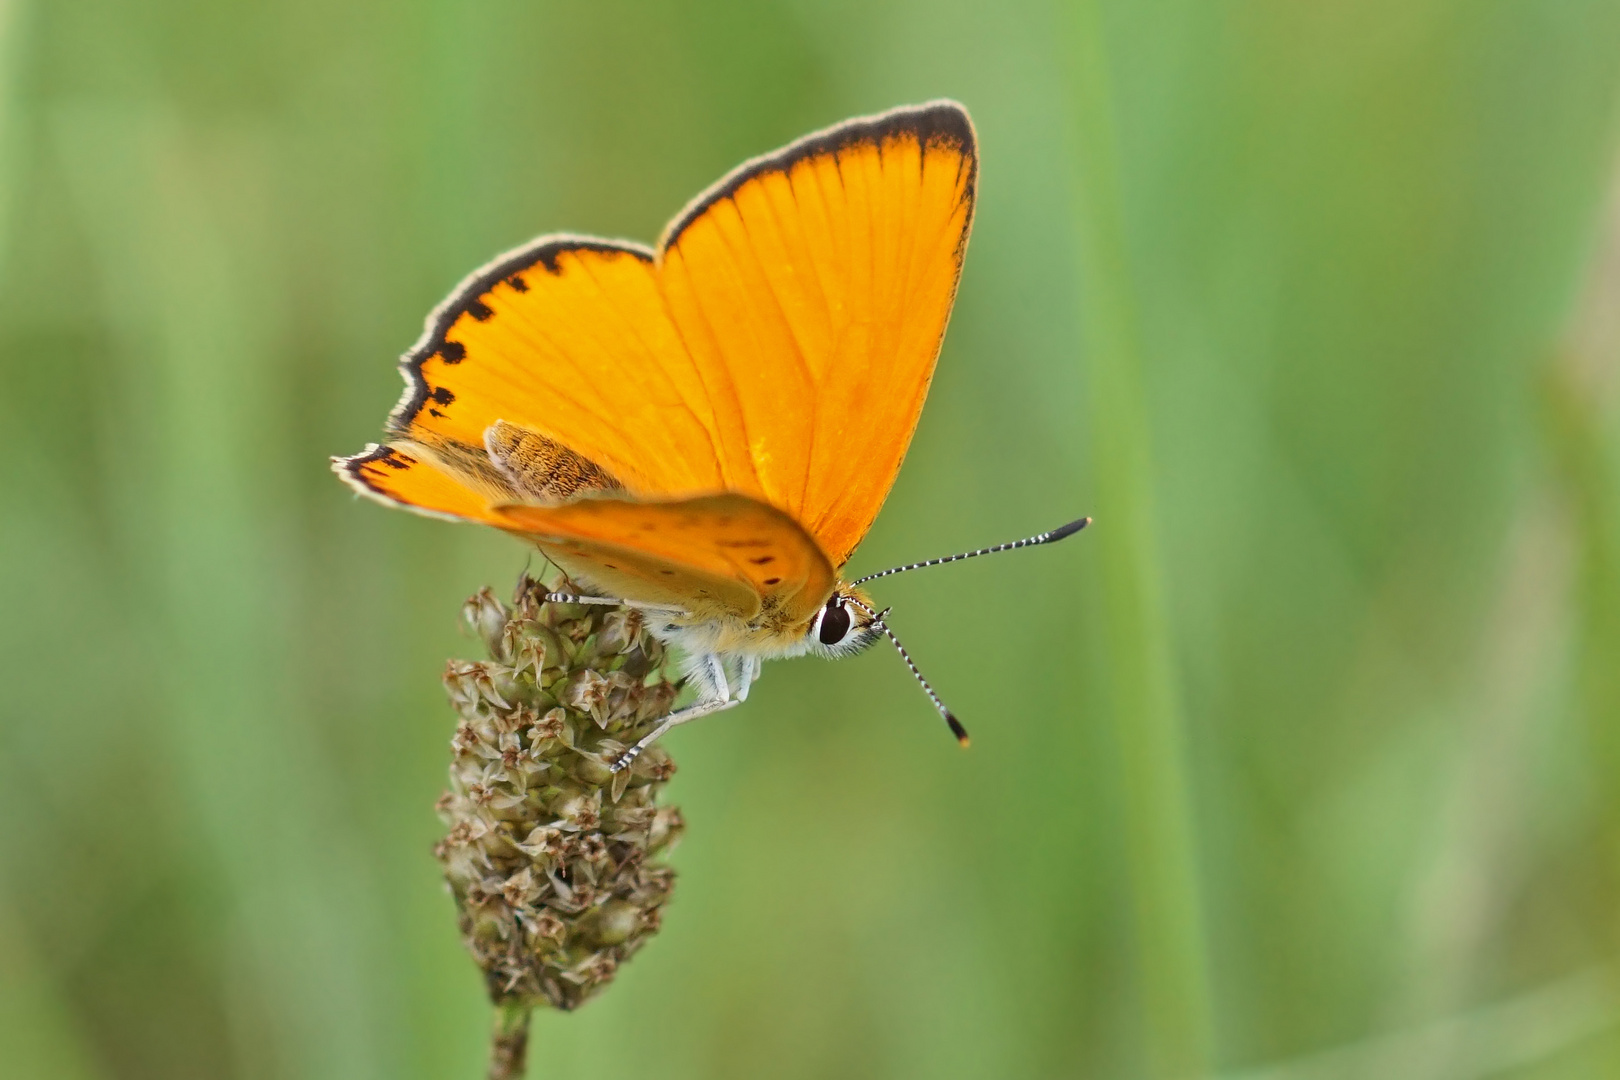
{"x":846,"y":624}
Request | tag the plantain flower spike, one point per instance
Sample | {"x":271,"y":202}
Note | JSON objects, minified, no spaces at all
{"x":552,"y":858}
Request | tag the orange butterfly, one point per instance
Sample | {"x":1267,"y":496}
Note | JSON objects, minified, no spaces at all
{"x":707,"y":428}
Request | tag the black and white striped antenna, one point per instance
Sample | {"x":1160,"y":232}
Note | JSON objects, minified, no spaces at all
{"x":878,"y":616}
{"x":949,"y":717}
{"x":1055,"y":535}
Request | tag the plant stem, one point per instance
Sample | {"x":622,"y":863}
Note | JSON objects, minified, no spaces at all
{"x":509,"y":1041}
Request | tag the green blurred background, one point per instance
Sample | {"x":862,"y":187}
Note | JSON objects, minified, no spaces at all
{"x":1304,"y":764}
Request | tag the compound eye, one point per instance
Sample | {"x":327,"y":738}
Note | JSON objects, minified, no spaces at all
{"x":834,"y":622}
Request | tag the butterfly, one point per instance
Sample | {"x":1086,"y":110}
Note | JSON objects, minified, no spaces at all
{"x":706,"y":429}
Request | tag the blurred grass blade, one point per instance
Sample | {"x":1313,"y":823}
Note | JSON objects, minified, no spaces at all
{"x":1143,"y":694}
{"x":1494,"y":1040}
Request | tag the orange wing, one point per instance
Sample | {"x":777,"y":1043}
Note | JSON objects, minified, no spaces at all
{"x":778,"y":344}
{"x":569,"y":337}
{"x":712,"y":555}
{"x":716,"y":554}
{"x":409,"y":475}
{"x":818,"y":281}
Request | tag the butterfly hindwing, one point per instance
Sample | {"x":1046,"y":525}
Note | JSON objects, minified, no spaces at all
{"x":414,"y":477}
{"x":721,"y":554}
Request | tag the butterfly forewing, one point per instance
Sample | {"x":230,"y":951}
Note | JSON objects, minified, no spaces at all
{"x":569,"y":338}
{"x":820,"y":279}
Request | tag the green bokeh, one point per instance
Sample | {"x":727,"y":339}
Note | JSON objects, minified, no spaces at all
{"x":1309,"y":768}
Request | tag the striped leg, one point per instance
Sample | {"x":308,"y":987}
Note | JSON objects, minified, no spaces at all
{"x":609,"y":601}
{"x":675,"y":719}
{"x":717,"y":697}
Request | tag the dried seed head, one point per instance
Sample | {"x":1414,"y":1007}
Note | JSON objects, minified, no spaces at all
{"x":487,"y":617}
{"x":551,"y":858}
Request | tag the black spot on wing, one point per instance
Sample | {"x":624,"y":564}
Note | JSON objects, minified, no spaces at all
{"x":937,"y":123}
{"x":773,"y":581}
{"x":763,"y":560}
{"x":442,"y":395}
{"x":517,"y":282}
{"x":371,"y":467}
{"x":469,"y":299}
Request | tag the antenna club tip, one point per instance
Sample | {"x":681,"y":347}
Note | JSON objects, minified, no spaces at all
{"x":1068,"y":530}
{"x":957,"y":729}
